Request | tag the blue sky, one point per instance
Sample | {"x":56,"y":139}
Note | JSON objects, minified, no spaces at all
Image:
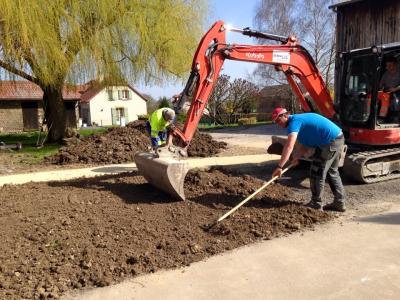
{"x":239,"y":14}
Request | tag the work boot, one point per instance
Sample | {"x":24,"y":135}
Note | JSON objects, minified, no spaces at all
{"x":314,"y":205}
{"x":335,"y":206}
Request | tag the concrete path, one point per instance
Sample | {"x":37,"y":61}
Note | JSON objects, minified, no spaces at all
{"x":358,"y":259}
{"x":68,"y":174}
{"x":252,"y":136}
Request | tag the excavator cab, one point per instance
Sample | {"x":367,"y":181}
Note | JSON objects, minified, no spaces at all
{"x":369,"y":112}
{"x":361,"y":100}
{"x":358,"y":89}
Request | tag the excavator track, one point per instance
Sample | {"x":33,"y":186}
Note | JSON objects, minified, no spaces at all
{"x":373,"y":166}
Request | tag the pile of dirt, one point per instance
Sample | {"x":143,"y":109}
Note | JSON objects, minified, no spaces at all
{"x":202,"y":144}
{"x":118,"y":145}
{"x":59,"y":236}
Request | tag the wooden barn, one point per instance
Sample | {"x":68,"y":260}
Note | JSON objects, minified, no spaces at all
{"x":365,"y":23}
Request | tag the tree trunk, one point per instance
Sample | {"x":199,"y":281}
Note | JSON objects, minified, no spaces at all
{"x":54,"y":112}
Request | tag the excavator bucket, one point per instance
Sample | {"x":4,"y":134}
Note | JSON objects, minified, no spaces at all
{"x":275,"y":148}
{"x":277,"y":144}
{"x":164,"y":172}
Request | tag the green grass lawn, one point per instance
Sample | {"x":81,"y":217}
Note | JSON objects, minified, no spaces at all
{"x":30,"y":152}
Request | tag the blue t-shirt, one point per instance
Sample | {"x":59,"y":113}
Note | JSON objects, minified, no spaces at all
{"x":312,"y":129}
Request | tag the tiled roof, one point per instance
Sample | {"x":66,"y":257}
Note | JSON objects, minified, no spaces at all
{"x":26,"y":90}
{"x":92,"y":89}
{"x":89,"y":92}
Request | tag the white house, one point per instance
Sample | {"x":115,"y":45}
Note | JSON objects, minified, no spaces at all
{"x":115,"y":105}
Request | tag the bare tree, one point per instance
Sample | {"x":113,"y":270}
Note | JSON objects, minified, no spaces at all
{"x":230,"y":98}
{"x":320,"y":41}
{"x":242,"y":97}
{"x":218,"y":97}
{"x":277,"y":17}
{"x":313,"y":24}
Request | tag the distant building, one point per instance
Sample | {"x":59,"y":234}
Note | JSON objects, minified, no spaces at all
{"x":21,"y":105}
{"x":277,"y":95}
{"x":115,"y":105}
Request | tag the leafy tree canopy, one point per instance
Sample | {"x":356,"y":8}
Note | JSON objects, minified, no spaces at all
{"x":109,"y":39}
{"x":54,"y":42}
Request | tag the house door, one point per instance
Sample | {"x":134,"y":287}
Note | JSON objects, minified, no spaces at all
{"x":85,"y":115}
{"x":70,"y":109}
{"x":30,"y":115}
{"x":119,"y":116}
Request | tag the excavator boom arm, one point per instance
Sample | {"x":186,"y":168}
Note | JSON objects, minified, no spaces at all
{"x":290,"y":58}
{"x":168,"y":173}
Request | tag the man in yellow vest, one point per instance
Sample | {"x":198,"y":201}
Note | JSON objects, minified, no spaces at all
{"x":160,"y":122}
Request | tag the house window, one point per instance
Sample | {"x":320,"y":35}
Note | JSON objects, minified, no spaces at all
{"x":124,"y":95}
{"x":110,"y":95}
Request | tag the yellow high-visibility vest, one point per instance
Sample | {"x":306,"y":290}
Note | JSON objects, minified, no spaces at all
{"x":157,"y":122}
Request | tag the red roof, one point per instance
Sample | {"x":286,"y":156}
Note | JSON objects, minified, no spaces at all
{"x":90,"y":90}
{"x":26,"y":90}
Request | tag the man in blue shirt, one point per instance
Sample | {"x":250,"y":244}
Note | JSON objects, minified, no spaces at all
{"x":312,"y":130}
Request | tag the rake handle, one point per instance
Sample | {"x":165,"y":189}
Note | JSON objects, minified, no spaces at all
{"x":252,"y":195}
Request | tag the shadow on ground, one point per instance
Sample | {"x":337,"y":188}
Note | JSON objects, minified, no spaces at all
{"x":388,"y":219}
{"x":113,"y":169}
{"x":130,"y":187}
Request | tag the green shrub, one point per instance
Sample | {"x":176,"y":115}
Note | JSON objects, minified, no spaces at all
{"x":182,"y":118}
{"x":143,"y":117}
{"x":164,"y":102}
{"x":247,"y":121}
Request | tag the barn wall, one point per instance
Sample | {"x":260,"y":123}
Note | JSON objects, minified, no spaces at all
{"x":367,"y":23}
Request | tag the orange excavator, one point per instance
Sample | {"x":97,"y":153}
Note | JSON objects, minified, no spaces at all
{"x":360,"y":108}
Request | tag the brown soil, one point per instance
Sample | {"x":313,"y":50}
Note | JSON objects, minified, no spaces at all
{"x":59,"y":236}
{"x":118,"y":145}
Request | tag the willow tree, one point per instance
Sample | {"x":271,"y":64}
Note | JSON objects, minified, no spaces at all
{"x":57,"y":42}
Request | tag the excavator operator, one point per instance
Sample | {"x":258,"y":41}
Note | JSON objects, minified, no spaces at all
{"x":312,"y":130}
{"x":390,"y":82}
{"x":159,"y":124}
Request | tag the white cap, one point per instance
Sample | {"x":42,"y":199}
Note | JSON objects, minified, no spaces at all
{"x":168,"y":114}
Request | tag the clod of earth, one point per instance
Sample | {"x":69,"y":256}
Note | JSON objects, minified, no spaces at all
{"x":59,"y":236}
